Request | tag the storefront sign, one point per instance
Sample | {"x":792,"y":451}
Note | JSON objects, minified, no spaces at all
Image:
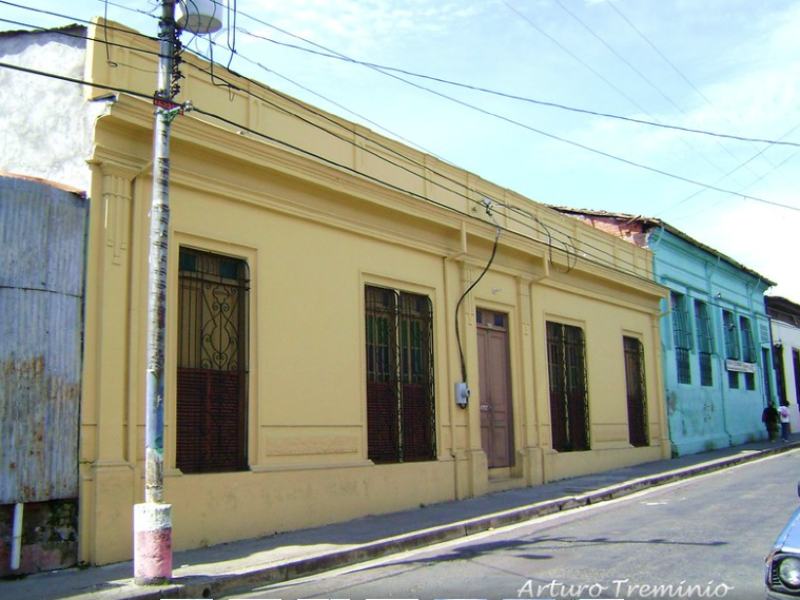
{"x":741,"y":367}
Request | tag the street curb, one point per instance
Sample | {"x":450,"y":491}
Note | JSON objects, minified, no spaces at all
{"x":217,"y":585}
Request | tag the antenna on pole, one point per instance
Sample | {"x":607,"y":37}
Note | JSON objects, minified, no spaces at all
{"x":199,"y":16}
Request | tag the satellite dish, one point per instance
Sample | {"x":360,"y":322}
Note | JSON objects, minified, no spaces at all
{"x":199,"y":16}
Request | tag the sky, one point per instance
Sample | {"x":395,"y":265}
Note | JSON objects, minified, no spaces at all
{"x":723,"y":66}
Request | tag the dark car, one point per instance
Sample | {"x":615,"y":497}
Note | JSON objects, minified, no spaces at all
{"x":782,"y":571}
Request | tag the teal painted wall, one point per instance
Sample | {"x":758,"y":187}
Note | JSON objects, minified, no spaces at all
{"x":704,"y":417}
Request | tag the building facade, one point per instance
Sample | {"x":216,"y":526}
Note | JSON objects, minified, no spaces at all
{"x":318,"y":320}
{"x":784,"y":318}
{"x":714,"y":333}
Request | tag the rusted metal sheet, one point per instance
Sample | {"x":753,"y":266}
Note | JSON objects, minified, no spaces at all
{"x":42,"y":236}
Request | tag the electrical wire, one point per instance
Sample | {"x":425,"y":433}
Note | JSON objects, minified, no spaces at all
{"x":545,"y":133}
{"x":384,"y":183}
{"x":389,"y":185}
{"x":641,"y":76}
{"x":672,"y":65}
{"x":586,"y":257}
{"x":385,"y":147}
{"x":526,"y":99}
{"x":393,"y":163}
{"x":536,"y":130}
{"x":469,"y":289}
{"x":526,"y":224}
{"x":749,"y":185}
{"x":241,"y":127}
{"x":568,"y":238}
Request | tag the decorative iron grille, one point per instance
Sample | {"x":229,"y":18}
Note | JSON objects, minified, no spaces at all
{"x":682,"y":337}
{"x":705,"y":342}
{"x":212,"y":363}
{"x":569,"y":402}
{"x":401,"y":424}
{"x":731,"y":336}
{"x":796,"y":364}
{"x":732,"y":350}
{"x":748,"y":347}
{"x":780,"y":373}
{"x":636,"y":391}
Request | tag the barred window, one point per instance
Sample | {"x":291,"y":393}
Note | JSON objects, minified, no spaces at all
{"x":569,"y":401}
{"x":705,"y":342}
{"x":212,"y":363}
{"x":732,"y":351}
{"x":682,"y":337}
{"x":636,"y":391}
{"x":400,"y":398}
{"x":796,"y":365}
{"x":748,"y":351}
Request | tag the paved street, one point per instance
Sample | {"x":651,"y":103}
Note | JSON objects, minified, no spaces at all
{"x":711,"y":533}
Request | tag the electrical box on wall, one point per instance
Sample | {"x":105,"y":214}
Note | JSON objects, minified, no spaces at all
{"x":462,"y":394}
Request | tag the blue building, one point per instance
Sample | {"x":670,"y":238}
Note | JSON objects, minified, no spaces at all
{"x":715,"y":335}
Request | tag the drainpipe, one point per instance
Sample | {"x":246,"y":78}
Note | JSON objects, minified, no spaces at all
{"x":653,"y":240}
{"x":721,"y":360}
{"x":16,"y":545}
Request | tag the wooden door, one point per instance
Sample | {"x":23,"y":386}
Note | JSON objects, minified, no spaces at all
{"x":497,"y":431}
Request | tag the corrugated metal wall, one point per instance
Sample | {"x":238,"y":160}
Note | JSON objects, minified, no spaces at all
{"x":42,"y":242}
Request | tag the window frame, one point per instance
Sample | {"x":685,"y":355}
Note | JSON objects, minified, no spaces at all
{"x":705,"y":342}
{"x":681,"y":337}
{"x":220,"y":373}
{"x":638,"y":432}
{"x":733,"y":351}
{"x":748,"y":350}
{"x":568,"y":387}
{"x":400,"y":396}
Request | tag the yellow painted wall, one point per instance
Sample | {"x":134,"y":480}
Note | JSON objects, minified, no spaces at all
{"x":313,"y":235}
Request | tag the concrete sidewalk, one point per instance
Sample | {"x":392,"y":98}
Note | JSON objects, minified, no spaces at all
{"x":214,"y":571}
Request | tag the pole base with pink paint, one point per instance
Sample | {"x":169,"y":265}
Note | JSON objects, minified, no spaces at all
{"x":152,"y":543}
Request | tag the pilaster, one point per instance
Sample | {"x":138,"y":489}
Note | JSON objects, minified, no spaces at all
{"x":530,"y":452}
{"x":106,"y":472}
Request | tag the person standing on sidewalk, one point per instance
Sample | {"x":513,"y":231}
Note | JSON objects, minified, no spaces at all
{"x":771,"y":420}
{"x":783,"y":411}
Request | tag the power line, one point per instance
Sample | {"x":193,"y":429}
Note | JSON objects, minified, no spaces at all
{"x":569,"y":239}
{"x":749,"y":185}
{"x":641,"y":75}
{"x":660,"y":54}
{"x":377,"y":66}
{"x":526,"y":99}
{"x":241,"y":127}
{"x":326,"y":117}
{"x":540,"y":131}
{"x":672,"y":65}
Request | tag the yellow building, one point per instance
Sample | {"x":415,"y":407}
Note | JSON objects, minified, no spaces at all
{"x":313,"y":341}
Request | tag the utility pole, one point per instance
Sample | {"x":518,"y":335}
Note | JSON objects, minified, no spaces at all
{"x":152,"y":520}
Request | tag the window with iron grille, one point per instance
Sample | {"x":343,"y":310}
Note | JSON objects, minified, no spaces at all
{"x":636,"y":386}
{"x":796,"y":365}
{"x":569,"y":401}
{"x":748,"y":351}
{"x":211,"y":423}
{"x":401,"y":425}
{"x":705,"y":342}
{"x":731,"y":345}
{"x":780,"y":373}
{"x":682,"y":337}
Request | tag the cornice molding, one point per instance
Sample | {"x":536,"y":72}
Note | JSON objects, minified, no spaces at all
{"x":293,"y":165}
